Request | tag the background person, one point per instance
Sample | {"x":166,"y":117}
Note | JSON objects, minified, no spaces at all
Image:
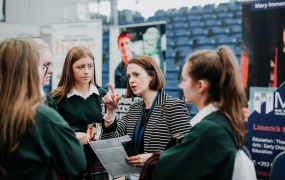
{"x":152,"y":46}
{"x":35,"y":141}
{"x":149,"y":123}
{"x":211,"y":81}
{"x":46,"y":59}
{"x":78,"y":99}
{"x":125,"y":47}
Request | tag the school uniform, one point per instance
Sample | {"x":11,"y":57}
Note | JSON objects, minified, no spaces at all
{"x":80,"y":111}
{"x":46,"y":150}
{"x":48,"y":100}
{"x":206,"y":152}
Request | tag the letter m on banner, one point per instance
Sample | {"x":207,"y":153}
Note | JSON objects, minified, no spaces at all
{"x":279,"y":99}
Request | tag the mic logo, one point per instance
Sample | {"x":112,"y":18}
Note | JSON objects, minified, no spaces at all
{"x":271,"y":100}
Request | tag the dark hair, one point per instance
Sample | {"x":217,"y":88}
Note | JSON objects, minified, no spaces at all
{"x":219,"y":68}
{"x":152,"y":69}
{"x":124,"y":34}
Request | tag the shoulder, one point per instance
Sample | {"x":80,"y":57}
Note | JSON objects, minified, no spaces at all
{"x":56,"y":97}
{"x":48,"y":116}
{"x":120,"y":66}
{"x":174,"y":102}
{"x":217,"y":116}
{"x":51,"y":102}
{"x":102,"y":91}
{"x":209,"y":129}
{"x":49,"y":98}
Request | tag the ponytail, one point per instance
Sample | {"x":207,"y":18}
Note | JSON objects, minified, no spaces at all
{"x":232,"y":97}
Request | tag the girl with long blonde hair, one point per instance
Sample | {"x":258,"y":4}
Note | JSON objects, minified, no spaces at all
{"x":35,"y":141}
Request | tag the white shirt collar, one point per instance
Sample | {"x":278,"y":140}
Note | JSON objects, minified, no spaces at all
{"x":42,"y":91}
{"x":92,"y":89}
{"x":203,"y":113}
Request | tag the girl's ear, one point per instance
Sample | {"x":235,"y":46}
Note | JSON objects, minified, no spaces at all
{"x":201,"y":86}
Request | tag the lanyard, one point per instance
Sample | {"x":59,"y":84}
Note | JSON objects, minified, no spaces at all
{"x":137,"y":134}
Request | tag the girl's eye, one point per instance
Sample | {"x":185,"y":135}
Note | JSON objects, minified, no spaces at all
{"x":128,"y":77}
{"x":137,"y":75}
{"x":80,"y":67}
{"x":90,"y":66}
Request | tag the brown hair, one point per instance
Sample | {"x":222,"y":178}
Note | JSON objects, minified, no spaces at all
{"x":66,"y":83}
{"x":219,"y":68}
{"x":19,"y":93}
{"x":152,"y":69}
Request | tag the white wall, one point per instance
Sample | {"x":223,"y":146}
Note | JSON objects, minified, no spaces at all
{"x":26,"y":17}
{"x":34,"y":12}
{"x":10,"y":30}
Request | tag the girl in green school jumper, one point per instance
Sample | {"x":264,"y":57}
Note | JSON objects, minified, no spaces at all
{"x":78,"y":99}
{"x":35,"y":141}
{"x":210,"y":81}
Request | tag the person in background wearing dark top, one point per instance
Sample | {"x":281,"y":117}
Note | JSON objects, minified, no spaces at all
{"x":46,"y":59}
{"x":78,"y":99}
{"x":152,"y":122}
{"x":35,"y":141}
{"x":125,"y":47}
{"x":212,"y":82}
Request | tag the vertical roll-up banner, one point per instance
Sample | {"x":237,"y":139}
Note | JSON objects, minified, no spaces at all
{"x":67,"y":35}
{"x":266,"y":127}
{"x":135,"y":39}
{"x":263,"y":40}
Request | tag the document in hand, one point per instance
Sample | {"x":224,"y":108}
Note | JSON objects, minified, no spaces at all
{"x":113,"y":156}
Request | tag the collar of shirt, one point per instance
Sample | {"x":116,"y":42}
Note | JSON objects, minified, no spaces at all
{"x":92,"y":89}
{"x":42,"y":91}
{"x":203,"y":113}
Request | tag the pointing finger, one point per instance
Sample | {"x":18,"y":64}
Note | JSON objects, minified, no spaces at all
{"x":111,"y":89}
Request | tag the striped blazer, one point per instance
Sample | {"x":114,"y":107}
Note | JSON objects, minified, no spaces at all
{"x":169,"y":116}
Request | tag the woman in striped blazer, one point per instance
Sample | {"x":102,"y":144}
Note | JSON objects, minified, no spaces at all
{"x":152,"y":122}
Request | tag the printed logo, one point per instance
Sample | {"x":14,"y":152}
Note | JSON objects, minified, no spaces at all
{"x":268,"y":98}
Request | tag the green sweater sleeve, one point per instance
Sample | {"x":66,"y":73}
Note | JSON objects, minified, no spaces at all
{"x":50,"y":102}
{"x":63,"y":150}
{"x":206,"y":152}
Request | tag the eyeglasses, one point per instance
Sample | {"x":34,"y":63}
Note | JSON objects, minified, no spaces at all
{"x":45,"y":69}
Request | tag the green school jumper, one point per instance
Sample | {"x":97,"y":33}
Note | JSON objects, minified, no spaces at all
{"x":79,"y":112}
{"x":47,"y":150}
{"x":50,"y":102}
{"x":207,"y":152}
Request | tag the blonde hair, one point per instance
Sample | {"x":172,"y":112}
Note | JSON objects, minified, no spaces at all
{"x":66,"y":83}
{"x":39,"y":44}
{"x":219,"y":68}
{"x":19,"y":93}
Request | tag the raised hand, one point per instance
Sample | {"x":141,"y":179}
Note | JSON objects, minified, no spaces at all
{"x":111,"y":100}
